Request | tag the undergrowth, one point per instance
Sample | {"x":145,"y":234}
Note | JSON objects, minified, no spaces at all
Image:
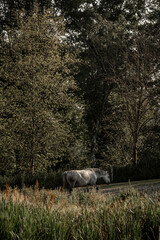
{"x":45,"y":214}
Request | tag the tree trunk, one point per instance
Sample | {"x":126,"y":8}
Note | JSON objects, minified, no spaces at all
{"x":22,"y":179}
{"x":94,"y":144}
{"x":111,"y":174}
{"x":20,"y":168}
{"x":33,"y":143}
{"x":94,"y":148}
{"x":135,"y":152}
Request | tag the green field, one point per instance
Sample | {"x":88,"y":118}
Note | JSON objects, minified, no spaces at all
{"x":45,"y":214}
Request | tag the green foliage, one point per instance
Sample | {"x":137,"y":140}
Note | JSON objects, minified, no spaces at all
{"x":146,"y":169}
{"x":80,"y":89}
{"x":41,"y":117}
{"x":120,"y":60}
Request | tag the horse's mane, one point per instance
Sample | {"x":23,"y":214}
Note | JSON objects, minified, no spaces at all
{"x":96,"y":170}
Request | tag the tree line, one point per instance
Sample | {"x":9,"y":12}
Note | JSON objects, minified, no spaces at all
{"x":79,"y":85}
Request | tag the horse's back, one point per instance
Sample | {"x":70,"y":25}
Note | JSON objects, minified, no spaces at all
{"x":79,"y":178}
{"x":87,"y":177}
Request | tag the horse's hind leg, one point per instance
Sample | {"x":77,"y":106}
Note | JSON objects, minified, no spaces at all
{"x":70,"y":190}
{"x":71,"y":185}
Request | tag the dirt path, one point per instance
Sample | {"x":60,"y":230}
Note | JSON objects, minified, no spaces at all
{"x":147,"y":186}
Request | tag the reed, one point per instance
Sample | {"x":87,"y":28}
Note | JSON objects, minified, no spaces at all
{"x":56,"y":215}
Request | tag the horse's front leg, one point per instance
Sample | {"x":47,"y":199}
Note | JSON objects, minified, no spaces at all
{"x":89,"y":187}
{"x":96,"y":187}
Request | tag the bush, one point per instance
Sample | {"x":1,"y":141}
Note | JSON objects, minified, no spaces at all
{"x":50,"y":180}
{"x":141,"y":171}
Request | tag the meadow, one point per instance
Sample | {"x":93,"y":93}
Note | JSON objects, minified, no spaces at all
{"x":53,"y":214}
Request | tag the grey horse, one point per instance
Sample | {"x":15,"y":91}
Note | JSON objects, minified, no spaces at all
{"x":86,"y":177}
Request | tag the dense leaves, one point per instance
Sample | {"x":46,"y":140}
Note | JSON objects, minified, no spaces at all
{"x":79,"y":84}
{"x":41,"y":116}
{"x":120,"y":73}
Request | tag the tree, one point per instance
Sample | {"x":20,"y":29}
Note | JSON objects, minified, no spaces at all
{"x":41,"y":117}
{"x":137,"y":88}
{"x":87,"y":32}
{"x":105,"y":32}
{"x":9,"y":7}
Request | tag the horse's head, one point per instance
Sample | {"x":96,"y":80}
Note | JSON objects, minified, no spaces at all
{"x":106,"y":177}
{"x":102,"y":174}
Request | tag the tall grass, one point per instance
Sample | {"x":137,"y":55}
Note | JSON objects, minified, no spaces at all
{"x":44,"y":214}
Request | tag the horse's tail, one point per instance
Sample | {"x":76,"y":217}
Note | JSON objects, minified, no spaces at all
{"x":64,"y":179}
{"x":65,"y":182}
